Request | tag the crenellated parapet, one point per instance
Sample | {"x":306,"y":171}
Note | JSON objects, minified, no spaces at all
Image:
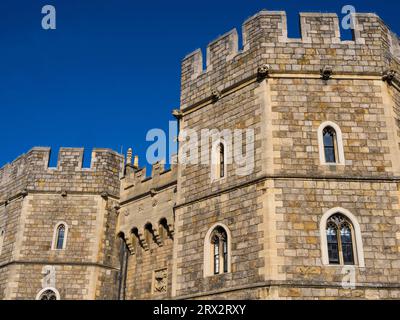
{"x":136,"y":183}
{"x":31,"y":173}
{"x":266,"y":41}
{"x":146,"y":215}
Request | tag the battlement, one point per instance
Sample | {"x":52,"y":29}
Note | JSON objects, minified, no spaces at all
{"x":31,"y":171}
{"x":135,"y":182}
{"x":395,"y":45}
{"x":265,"y":40}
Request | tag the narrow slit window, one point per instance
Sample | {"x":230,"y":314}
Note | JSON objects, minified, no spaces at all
{"x":347,"y":245}
{"x":221,"y":160}
{"x":329,"y":138}
{"x":225,"y":247}
{"x":219,"y":242}
{"x":216,"y":255}
{"x":60,"y":237}
{"x":333,"y":245}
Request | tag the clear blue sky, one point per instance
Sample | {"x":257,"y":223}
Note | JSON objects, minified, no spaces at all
{"x":110,"y":72}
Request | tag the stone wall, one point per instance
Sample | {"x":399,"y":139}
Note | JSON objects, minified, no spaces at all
{"x":274,"y":214}
{"x":283,"y":90}
{"x":146,"y":201}
{"x":35,"y":199}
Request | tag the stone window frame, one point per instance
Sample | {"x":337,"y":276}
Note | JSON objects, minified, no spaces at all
{"x":40,"y":293}
{"x":357,"y":245}
{"x":215,"y":161}
{"x":208,"y":267}
{"x":340,"y":161}
{"x":2,"y":236}
{"x":55,"y":236}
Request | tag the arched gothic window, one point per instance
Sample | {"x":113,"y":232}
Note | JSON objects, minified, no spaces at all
{"x":330,"y":144}
{"x":340,"y":240}
{"x":219,"y":161}
{"x":219,"y":242}
{"x":217,"y":250}
{"x":48,"y":295}
{"x":60,"y":236}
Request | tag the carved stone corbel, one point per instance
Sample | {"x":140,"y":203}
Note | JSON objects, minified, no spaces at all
{"x":130,"y":246}
{"x":171,"y":231}
{"x":156,"y":237}
{"x":142,"y":241}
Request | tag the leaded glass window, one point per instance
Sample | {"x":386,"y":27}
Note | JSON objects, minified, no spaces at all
{"x":219,"y":241}
{"x":340,"y":240}
{"x":48,"y":295}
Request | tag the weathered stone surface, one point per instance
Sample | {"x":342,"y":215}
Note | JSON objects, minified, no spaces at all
{"x":273,"y":213}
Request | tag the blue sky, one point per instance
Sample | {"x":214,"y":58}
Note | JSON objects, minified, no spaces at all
{"x":110,"y":71}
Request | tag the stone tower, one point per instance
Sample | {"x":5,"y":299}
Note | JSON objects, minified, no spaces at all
{"x":34,"y":201}
{"x":312,"y":213}
{"x":291,"y":92}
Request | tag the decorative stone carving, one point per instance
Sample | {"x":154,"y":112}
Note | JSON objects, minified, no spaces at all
{"x":160,"y":281}
{"x":177,"y":114}
{"x":389,"y":76}
{"x":49,"y":276}
{"x":215,"y":95}
{"x":263,"y":71}
{"x":24,"y":193}
{"x":104,"y":195}
{"x":326,"y":73}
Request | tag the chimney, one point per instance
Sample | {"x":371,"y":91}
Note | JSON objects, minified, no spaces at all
{"x":129,"y":157}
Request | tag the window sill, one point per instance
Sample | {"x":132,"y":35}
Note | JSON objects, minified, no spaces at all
{"x":333,"y":164}
{"x":216,"y":275}
{"x":342,"y":266}
{"x":220,"y":180}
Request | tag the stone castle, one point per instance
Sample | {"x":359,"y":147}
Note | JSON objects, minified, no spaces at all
{"x":317,"y":218}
